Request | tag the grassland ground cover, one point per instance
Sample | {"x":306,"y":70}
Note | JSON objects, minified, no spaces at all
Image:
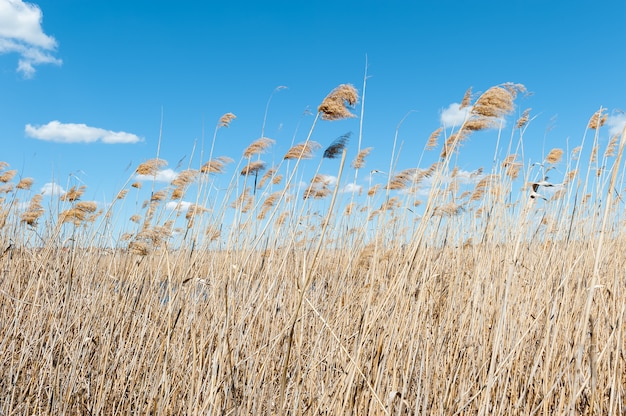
{"x":432,"y":294}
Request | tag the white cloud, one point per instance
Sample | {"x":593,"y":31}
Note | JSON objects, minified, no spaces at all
{"x":454,"y":115}
{"x":52,"y":188}
{"x":328,"y":180}
{"x":56,"y":131}
{"x":21,"y":32}
{"x":352,"y":187}
{"x":616,"y":124}
{"x":165,"y":175}
{"x":178,"y":205}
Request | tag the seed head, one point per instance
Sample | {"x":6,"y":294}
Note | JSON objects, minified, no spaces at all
{"x":335,"y":105}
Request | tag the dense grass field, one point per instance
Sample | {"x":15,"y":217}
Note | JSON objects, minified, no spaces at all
{"x":467,"y":297}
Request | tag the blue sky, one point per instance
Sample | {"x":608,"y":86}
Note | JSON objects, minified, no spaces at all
{"x":112,"y":71}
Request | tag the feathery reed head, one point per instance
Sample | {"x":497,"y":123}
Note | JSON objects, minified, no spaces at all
{"x":150,"y":167}
{"x":523,"y":120}
{"x":25,"y":183}
{"x":270,"y":172}
{"x":8,"y":175}
{"x":432,"y":140}
{"x":335,"y":105}
{"x":73,"y":194}
{"x":258,"y":146}
{"x":185,"y":177}
{"x":34,"y":211}
{"x":253,"y":168}
{"x":226,"y":119}
{"x":336,"y":146}
{"x":467,"y":97}
{"x":554,"y":156}
{"x":215,"y":165}
{"x":359,"y":160}
{"x":497,"y":101}
{"x":598,"y":119}
{"x":302,"y":150}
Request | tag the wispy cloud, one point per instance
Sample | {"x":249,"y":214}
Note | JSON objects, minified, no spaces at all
{"x":21,"y":33}
{"x":178,"y":205}
{"x":165,"y":175}
{"x":56,"y":131}
{"x":616,"y":123}
{"x":52,"y":188}
{"x":352,"y":187}
{"x":454,"y":115}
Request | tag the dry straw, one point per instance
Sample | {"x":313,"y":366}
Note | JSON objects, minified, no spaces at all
{"x":335,"y":105}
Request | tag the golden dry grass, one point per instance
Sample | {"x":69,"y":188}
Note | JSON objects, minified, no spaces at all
{"x":475,"y":300}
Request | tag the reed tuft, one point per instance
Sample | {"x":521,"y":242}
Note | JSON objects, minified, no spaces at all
{"x":335,"y":105}
{"x":302,"y":150}
{"x":253,"y":168}
{"x":257,"y":147}
{"x":359,"y":160}
{"x":150,"y":167}
{"x":337,"y":146}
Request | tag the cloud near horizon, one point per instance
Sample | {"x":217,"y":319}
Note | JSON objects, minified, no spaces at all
{"x":454,"y":115}
{"x":616,"y":124}
{"x":52,"y":188}
{"x":21,"y":33}
{"x":165,"y":175}
{"x":58,"y":132}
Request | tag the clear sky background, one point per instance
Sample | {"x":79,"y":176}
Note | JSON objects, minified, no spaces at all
{"x":85,"y":85}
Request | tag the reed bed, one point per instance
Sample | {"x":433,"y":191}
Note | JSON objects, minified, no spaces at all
{"x":429,"y":293}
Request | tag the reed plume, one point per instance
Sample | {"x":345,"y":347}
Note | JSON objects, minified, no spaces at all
{"x":257,"y":147}
{"x":335,"y":105}
{"x":34,"y":211}
{"x":8,"y":175}
{"x":215,"y":166}
{"x":73,"y":194}
{"x":253,"y":168}
{"x":270,"y":172}
{"x":359,"y":160}
{"x":523,"y":120}
{"x":598,"y":119}
{"x":554,"y":156}
{"x":467,"y":97}
{"x":337,"y":146}
{"x":302,"y":150}
{"x":226,"y":119}
{"x":433,"y":139}
{"x":150,"y":167}
{"x":25,"y":183}
{"x":497,"y":101}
